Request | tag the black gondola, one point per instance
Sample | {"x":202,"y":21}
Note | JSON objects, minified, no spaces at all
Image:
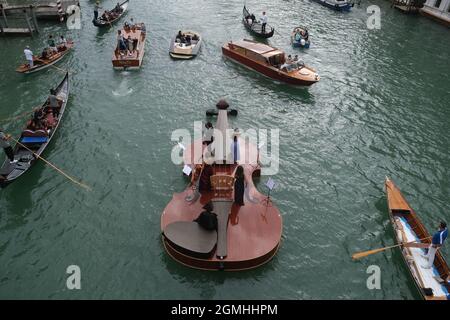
{"x":104,"y":21}
{"x":36,"y":138}
{"x":255,"y":27}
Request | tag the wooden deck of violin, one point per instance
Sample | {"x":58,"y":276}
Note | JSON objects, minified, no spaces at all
{"x":249,"y":235}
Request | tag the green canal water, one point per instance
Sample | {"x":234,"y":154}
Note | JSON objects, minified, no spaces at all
{"x":381,"y":108}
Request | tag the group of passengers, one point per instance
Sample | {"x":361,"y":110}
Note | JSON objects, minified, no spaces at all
{"x":40,"y":121}
{"x":126,"y":45}
{"x":48,"y":51}
{"x":301,"y":34}
{"x":291,"y":63}
{"x":185,"y":38}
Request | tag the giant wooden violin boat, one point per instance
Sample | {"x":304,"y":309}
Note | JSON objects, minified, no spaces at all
{"x":270,"y":62}
{"x":432,"y":283}
{"x":246,"y":236}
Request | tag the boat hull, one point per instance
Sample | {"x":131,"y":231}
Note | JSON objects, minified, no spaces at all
{"x":346,"y":7}
{"x":270,"y":72}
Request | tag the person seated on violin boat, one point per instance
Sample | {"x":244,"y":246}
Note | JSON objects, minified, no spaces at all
{"x":207,"y":219}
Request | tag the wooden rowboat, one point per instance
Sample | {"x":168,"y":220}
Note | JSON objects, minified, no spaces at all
{"x":255,"y":27}
{"x":270,"y":62}
{"x":246,"y":236}
{"x":185,"y":50}
{"x":41,"y":63}
{"x":128,"y":59}
{"x":36,"y":139}
{"x":431,"y":283}
{"x":106,"y":21}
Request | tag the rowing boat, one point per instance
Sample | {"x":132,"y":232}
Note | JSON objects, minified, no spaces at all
{"x":111,"y":16}
{"x":254,"y":26}
{"x":41,"y":63}
{"x":431,"y":282}
{"x":36,"y":139}
{"x":187,"y":47}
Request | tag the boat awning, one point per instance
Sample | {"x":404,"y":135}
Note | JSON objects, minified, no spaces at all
{"x":256,"y":47}
{"x":272,"y":53}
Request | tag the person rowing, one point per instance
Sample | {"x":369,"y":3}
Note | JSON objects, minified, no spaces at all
{"x":4,"y":143}
{"x":29,"y":56}
{"x":96,"y":8}
{"x":437,"y":242}
{"x":263,"y":22}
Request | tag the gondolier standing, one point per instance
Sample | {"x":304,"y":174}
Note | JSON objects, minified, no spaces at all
{"x":436,"y":242}
{"x":263,"y":22}
{"x":96,"y":8}
{"x":28,"y":55}
{"x":6,"y":146}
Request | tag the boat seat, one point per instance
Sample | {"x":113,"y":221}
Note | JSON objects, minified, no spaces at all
{"x":37,"y":133}
{"x":222,"y":208}
{"x":33,"y":140}
{"x":191,"y":239}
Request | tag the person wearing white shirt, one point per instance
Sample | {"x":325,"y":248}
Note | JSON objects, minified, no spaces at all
{"x":263,"y":22}
{"x":28,"y":55}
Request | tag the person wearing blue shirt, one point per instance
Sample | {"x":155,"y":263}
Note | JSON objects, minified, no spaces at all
{"x":436,"y":242}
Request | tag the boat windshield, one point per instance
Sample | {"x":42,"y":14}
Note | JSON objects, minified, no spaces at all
{"x":276,"y":60}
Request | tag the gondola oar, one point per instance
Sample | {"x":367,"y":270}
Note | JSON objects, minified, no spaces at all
{"x":363,"y":254}
{"x":53,"y":166}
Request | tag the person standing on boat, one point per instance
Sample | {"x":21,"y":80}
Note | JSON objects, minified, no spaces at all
{"x":4,"y":143}
{"x":208,"y":133}
{"x":53,"y":102}
{"x":263,"y":22}
{"x":235,"y":152}
{"x":436,"y":242}
{"x":239,"y":186}
{"x":28,"y":55}
{"x":96,"y":8}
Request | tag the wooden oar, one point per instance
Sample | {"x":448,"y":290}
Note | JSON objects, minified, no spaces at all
{"x":363,"y":254}
{"x":53,"y":166}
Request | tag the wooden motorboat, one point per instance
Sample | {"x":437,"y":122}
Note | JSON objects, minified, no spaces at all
{"x":270,"y":62}
{"x":338,"y":5}
{"x":254,"y":26}
{"x":246,"y":236}
{"x":300,"y":37}
{"x":132,"y":57}
{"x":186,"y":46}
{"x":110,"y":16}
{"x":36,"y":137}
{"x":43,"y":62}
{"x":432,"y":283}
